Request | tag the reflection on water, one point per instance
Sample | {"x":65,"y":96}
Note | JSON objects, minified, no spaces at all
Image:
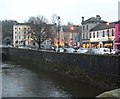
{"x":22,"y":82}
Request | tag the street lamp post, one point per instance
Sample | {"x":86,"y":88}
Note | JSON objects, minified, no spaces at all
{"x":58,"y":19}
{"x":72,"y":29}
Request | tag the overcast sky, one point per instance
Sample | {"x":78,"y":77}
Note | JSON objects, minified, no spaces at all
{"x":68,"y":10}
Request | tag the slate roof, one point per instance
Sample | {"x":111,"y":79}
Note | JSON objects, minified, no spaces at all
{"x":93,"y":20}
{"x":22,"y":24}
{"x":103,"y":26}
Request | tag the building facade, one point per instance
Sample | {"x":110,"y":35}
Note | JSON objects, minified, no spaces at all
{"x":21,"y":37}
{"x":87,"y":25}
{"x":103,"y":35}
{"x":119,"y":10}
{"x":117,"y":35}
{"x":72,"y":35}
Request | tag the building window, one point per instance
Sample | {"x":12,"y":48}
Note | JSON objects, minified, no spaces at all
{"x":75,"y":38}
{"x":108,"y":33}
{"x":112,"y":32}
{"x":97,"y":34}
{"x":82,"y":35}
{"x":16,"y":42}
{"x":119,"y":27}
{"x":24,"y":36}
{"x":87,"y":35}
{"x":19,"y":37}
{"x":119,"y":37}
{"x":103,"y":33}
{"x":90,"y":35}
{"x":93,"y":34}
{"x":87,"y":27}
{"x":19,"y":28}
{"x":83,"y":27}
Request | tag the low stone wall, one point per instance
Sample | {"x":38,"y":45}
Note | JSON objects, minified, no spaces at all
{"x":4,"y":54}
{"x":99,"y":70}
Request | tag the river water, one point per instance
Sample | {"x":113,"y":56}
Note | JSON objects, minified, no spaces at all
{"x":19,"y":81}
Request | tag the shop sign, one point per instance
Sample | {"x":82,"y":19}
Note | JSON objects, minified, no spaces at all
{"x":98,"y":39}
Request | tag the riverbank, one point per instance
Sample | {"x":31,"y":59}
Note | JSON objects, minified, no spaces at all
{"x":97,"y":70}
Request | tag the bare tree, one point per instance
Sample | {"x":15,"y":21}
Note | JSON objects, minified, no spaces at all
{"x":40,"y":30}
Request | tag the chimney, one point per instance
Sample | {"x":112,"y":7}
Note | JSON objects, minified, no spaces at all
{"x":82,"y":19}
{"x":98,"y":18}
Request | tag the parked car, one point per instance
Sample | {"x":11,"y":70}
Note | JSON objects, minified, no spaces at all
{"x":69,"y":50}
{"x":81,"y":50}
{"x":24,"y":47}
{"x":104,"y":50}
{"x":118,"y":52}
{"x":115,"y":51}
{"x":9,"y":46}
{"x":47,"y":47}
{"x":93,"y":51}
{"x":1,"y":46}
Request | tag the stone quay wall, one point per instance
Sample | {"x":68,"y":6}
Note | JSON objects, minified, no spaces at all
{"x":99,"y":70}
